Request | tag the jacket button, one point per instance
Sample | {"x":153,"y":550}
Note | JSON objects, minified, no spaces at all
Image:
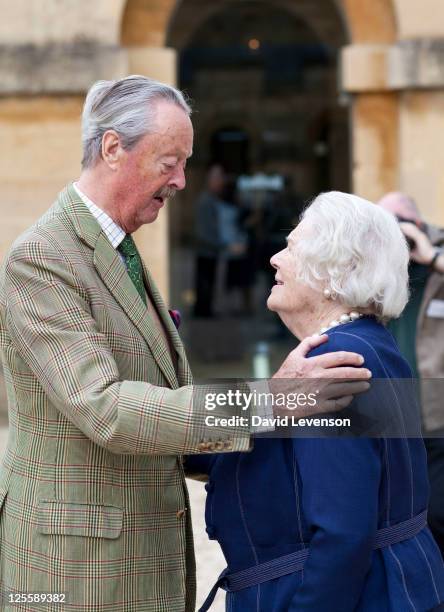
{"x":181,"y":513}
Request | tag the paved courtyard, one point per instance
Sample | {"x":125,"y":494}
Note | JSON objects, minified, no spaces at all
{"x":209,"y":559}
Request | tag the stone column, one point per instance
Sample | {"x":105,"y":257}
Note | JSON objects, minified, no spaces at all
{"x":417,"y":69}
{"x":375,"y":120}
{"x":397,"y":94}
{"x":41,"y":152}
{"x":422,"y":151}
{"x":42,"y":89}
{"x":153,"y":240}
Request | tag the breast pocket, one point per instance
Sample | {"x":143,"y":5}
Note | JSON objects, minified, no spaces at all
{"x":73,"y":519}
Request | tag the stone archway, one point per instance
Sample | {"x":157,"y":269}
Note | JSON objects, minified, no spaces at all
{"x":392,"y":73}
{"x":279,"y":119}
{"x":370,"y":26}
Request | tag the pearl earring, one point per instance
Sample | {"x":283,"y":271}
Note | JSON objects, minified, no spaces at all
{"x":327,"y":294}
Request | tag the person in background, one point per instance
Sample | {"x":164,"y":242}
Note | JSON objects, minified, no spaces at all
{"x":238,"y":282}
{"x":209,"y":241}
{"x":420,"y":336}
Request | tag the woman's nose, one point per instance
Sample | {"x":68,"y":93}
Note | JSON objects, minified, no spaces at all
{"x":274,"y":261}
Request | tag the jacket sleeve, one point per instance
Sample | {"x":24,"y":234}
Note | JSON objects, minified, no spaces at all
{"x":50,"y":325}
{"x":340,"y":484}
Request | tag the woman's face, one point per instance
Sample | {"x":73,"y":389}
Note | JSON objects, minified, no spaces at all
{"x":289,"y":296}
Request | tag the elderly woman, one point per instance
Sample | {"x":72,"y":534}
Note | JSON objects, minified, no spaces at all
{"x":360,"y":539}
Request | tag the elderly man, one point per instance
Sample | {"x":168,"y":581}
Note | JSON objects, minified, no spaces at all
{"x":93,"y":502}
{"x":420,"y":335}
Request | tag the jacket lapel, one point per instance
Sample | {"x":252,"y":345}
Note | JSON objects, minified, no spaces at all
{"x":184,"y":372}
{"x":113,"y":273}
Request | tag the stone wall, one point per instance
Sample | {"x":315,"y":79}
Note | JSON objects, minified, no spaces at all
{"x":51,"y":51}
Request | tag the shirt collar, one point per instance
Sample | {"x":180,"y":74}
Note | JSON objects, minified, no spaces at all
{"x":112,"y":231}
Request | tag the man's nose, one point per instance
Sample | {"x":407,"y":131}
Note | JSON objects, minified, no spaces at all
{"x":178,"y":180}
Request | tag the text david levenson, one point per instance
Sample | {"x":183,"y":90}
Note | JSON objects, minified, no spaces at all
{"x":278,"y":421}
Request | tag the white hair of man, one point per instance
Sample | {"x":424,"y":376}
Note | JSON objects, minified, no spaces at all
{"x":357,"y":251}
{"x":127,"y":106}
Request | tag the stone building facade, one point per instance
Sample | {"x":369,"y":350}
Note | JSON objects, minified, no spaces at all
{"x":391,"y":71}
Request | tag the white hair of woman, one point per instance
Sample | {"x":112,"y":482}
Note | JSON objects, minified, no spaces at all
{"x":126,"y":106}
{"x":356,"y":251}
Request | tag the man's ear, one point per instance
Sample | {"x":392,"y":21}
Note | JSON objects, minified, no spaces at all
{"x":112,"y":149}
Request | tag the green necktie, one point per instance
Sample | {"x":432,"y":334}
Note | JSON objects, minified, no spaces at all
{"x":133,"y":264}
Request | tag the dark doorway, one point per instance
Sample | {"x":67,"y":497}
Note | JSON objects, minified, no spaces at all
{"x":262,"y":78}
{"x":229,"y":148}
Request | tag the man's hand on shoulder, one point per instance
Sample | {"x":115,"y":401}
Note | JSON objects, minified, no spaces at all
{"x":335,"y":377}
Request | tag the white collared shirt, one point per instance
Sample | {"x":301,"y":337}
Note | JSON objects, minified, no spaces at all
{"x":112,"y":231}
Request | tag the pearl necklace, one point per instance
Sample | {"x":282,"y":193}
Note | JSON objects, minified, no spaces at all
{"x":345,"y":318}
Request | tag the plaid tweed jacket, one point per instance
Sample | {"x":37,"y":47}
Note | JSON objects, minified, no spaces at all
{"x":93,"y":501}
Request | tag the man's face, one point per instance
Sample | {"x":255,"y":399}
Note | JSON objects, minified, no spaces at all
{"x":154,"y":169}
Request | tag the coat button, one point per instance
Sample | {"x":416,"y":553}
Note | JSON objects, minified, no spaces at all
{"x":181,"y":513}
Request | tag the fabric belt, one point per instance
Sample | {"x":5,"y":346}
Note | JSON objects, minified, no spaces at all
{"x":294,"y":562}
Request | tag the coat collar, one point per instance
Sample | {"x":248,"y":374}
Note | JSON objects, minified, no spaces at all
{"x":113,"y":273}
{"x":86,"y":226}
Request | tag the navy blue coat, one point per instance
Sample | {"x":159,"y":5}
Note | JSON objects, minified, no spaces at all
{"x":330,"y":495}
